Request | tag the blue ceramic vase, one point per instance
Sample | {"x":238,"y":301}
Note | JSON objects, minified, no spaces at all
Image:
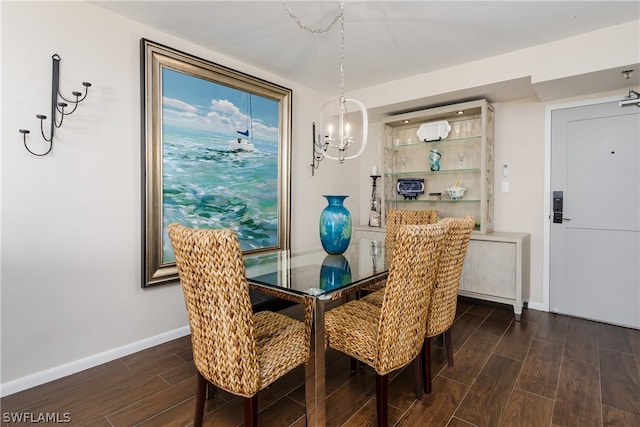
{"x":335,"y":226}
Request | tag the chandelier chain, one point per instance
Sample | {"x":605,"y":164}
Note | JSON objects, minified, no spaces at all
{"x":309,"y":29}
{"x":328,"y":28}
{"x":342,"y":51}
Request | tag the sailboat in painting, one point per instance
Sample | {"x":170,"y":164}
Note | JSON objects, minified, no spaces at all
{"x":246,"y":143}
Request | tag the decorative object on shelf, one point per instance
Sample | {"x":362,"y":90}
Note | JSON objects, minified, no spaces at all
{"x":344,"y":136}
{"x":404,"y":163}
{"x":57,"y":106}
{"x":410,"y":188}
{"x":435,"y":196}
{"x":456,"y":192}
{"x":375,"y":212}
{"x":434,"y":159}
{"x":375,"y":254}
{"x":335,"y":225}
{"x":460,"y":159}
{"x":434,"y":131}
{"x":334,"y":271}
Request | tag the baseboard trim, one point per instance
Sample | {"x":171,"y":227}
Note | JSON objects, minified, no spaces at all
{"x":537,"y":306}
{"x":51,"y":374}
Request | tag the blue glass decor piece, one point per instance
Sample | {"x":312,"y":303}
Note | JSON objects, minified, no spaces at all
{"x":335,"y":226}
{"x":334,"y":272}
{"x":434,"y":158}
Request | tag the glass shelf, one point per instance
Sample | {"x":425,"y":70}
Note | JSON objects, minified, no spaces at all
{"x":429,"y":172}
{"x":422,"y":143}
{"x":431,"y":201}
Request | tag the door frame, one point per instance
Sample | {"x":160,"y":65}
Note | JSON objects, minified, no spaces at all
{"x":546,"y":278}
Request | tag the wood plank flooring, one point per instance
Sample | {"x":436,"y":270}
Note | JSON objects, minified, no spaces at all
{"x":547,"y":370}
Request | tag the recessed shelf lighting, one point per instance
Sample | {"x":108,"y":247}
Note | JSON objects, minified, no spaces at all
{"x":460,"y":112}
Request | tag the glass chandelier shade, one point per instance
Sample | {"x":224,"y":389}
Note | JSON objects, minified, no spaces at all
{"x":339,"y":131}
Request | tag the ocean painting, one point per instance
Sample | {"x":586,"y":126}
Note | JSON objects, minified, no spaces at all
{"x":220,"y":153}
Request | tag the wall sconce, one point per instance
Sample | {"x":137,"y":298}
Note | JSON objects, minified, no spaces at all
{"x":57,"y":106}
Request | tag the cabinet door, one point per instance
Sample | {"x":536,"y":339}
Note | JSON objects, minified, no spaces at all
{"x":490,"y":268}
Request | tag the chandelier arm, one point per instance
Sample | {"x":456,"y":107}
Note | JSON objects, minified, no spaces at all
{"x":365,"y":130}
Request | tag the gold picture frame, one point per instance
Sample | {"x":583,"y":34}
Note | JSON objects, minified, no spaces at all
{"x":200,"y":166}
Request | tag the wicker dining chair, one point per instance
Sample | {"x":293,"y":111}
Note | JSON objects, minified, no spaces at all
{"x":395,"y":218}
{"x":444,"y":301}
{"x":445,"y":296}
{"x":392,"y":335}
{"x":233,"y":348}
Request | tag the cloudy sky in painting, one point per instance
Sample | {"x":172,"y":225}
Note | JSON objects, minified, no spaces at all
{"x":199,"y":104}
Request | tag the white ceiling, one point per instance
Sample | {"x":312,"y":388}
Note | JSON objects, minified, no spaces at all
{"x":384,"y":40}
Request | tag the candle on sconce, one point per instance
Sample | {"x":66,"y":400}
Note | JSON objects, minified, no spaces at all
{"x":374,"y":170}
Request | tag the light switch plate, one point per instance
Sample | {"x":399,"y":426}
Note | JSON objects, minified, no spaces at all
{"x":505,"y":186}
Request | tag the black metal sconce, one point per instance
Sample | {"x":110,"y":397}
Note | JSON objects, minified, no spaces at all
{"x":318,"y":150}
{"x":57,"y":106}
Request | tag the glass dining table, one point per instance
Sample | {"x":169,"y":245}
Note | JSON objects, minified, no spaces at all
{"x":312,"y":277}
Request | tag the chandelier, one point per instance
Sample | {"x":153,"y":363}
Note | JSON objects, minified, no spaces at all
{"x":336,"y":132}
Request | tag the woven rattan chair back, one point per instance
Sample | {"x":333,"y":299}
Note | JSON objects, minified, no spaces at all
{"x":410,"y":284}
{"x":233,"y":348}
{"x":397,"y":217}
{"x":445,"y":295}
{"x":391,"y":335}
{"x":216,"y":294}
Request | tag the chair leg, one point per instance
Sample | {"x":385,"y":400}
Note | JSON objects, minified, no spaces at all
{"x":251,"y":411}
{"x":447,"y":340}
{"x":200,"y":397}
{"x":382,"y":397}
{"x":354,"y":364}
{"x":426,"y":354}
{"x":417,"y":376}
{"x":212,"y":391}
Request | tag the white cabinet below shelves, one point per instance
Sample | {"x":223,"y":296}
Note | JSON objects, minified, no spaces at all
{"x":497,"y":268}
{"x":368,"y":232}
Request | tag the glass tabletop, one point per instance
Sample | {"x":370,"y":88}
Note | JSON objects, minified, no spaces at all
{"x":311,"y":271}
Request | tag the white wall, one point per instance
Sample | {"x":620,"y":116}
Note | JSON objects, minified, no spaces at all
{"x":71,"y":221}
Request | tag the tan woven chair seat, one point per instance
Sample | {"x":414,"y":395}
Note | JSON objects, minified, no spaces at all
{"x":281,"y":345}
{"x":353,"y":329}
{"x":374,"y":298}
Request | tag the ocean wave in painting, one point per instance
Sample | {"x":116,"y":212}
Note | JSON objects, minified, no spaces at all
{"x":207,"y":185}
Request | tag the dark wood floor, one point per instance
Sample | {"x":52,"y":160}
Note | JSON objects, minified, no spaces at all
{"x":547,"y":370}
